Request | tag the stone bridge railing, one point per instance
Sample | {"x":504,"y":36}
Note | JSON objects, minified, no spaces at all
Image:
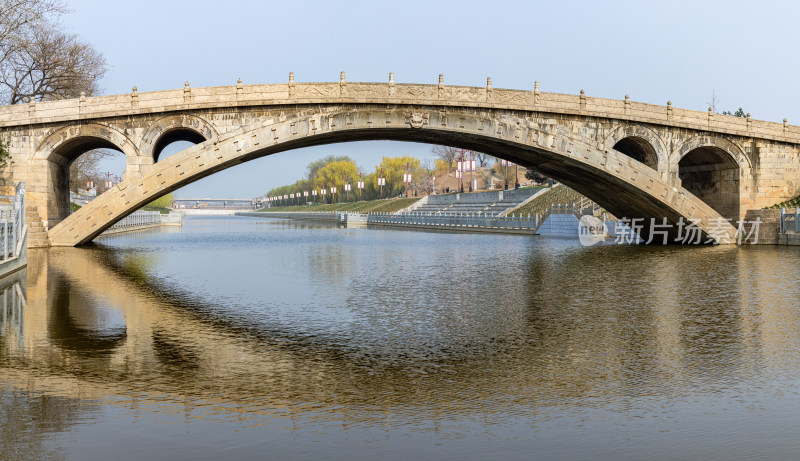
{"x":292,"y":93}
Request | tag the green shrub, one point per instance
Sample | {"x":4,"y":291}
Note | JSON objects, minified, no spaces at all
{"x":165,"y":201}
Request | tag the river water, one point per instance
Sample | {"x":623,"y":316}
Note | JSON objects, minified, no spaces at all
{"x":244,"y":338}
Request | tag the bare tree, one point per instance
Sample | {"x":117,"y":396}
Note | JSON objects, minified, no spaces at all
{"x":18,"y":17}
{"x":40,"y":62}
{"x":50,"y":64}
{"x":483,"y":159}
{"x":423,"y":179}
{"x":446,"y":153}
{"x":87,"y":168}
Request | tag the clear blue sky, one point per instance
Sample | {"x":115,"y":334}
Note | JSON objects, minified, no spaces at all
{"x":681,"y":51}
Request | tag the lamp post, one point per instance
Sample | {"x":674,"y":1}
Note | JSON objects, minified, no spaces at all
{"x":381,"y":182}
{"x":107,"y":183}
{"x":516,"y":176}
{"x":314,"y":195}
{"x":461,"y":171}
{"x":333,"y":193}
{"x":347,"y":190}
{"x":505,"y":164}
{"x":360,"y":185}
{"x":470,"y":167}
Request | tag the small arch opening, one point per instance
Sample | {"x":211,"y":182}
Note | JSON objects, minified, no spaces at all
{"x":174,"y":141}
{"x":713,"y":176}
{"x":638,"y":149}
{"x":80,"y":169}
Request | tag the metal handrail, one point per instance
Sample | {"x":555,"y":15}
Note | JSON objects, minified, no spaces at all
{"x":137,"y":219}
{"x":12,"y":225}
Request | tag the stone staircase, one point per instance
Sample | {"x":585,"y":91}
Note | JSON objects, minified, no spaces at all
{"x":37,"y":234}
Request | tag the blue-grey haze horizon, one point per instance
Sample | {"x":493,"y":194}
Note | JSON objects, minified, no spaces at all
{"x":680,"y":51}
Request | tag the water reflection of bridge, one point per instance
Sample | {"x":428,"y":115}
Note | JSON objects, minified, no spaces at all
{"x":96,"y":326}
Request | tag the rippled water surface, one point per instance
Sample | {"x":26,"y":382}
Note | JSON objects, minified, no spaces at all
{"x":242,"y":338}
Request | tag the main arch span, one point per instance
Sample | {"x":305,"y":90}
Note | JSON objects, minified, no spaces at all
{"x":636,"y":160}
{"x":623,"y":185}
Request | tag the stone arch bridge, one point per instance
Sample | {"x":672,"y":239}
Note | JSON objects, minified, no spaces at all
{"x":636,"y":160}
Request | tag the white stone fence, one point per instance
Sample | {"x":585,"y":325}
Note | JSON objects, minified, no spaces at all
{"x":456,"y":220}
{"x":12,"y":224}
{"x":139,"y":219}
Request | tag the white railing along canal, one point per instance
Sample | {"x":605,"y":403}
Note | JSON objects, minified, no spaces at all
{"x":12,"y":224}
